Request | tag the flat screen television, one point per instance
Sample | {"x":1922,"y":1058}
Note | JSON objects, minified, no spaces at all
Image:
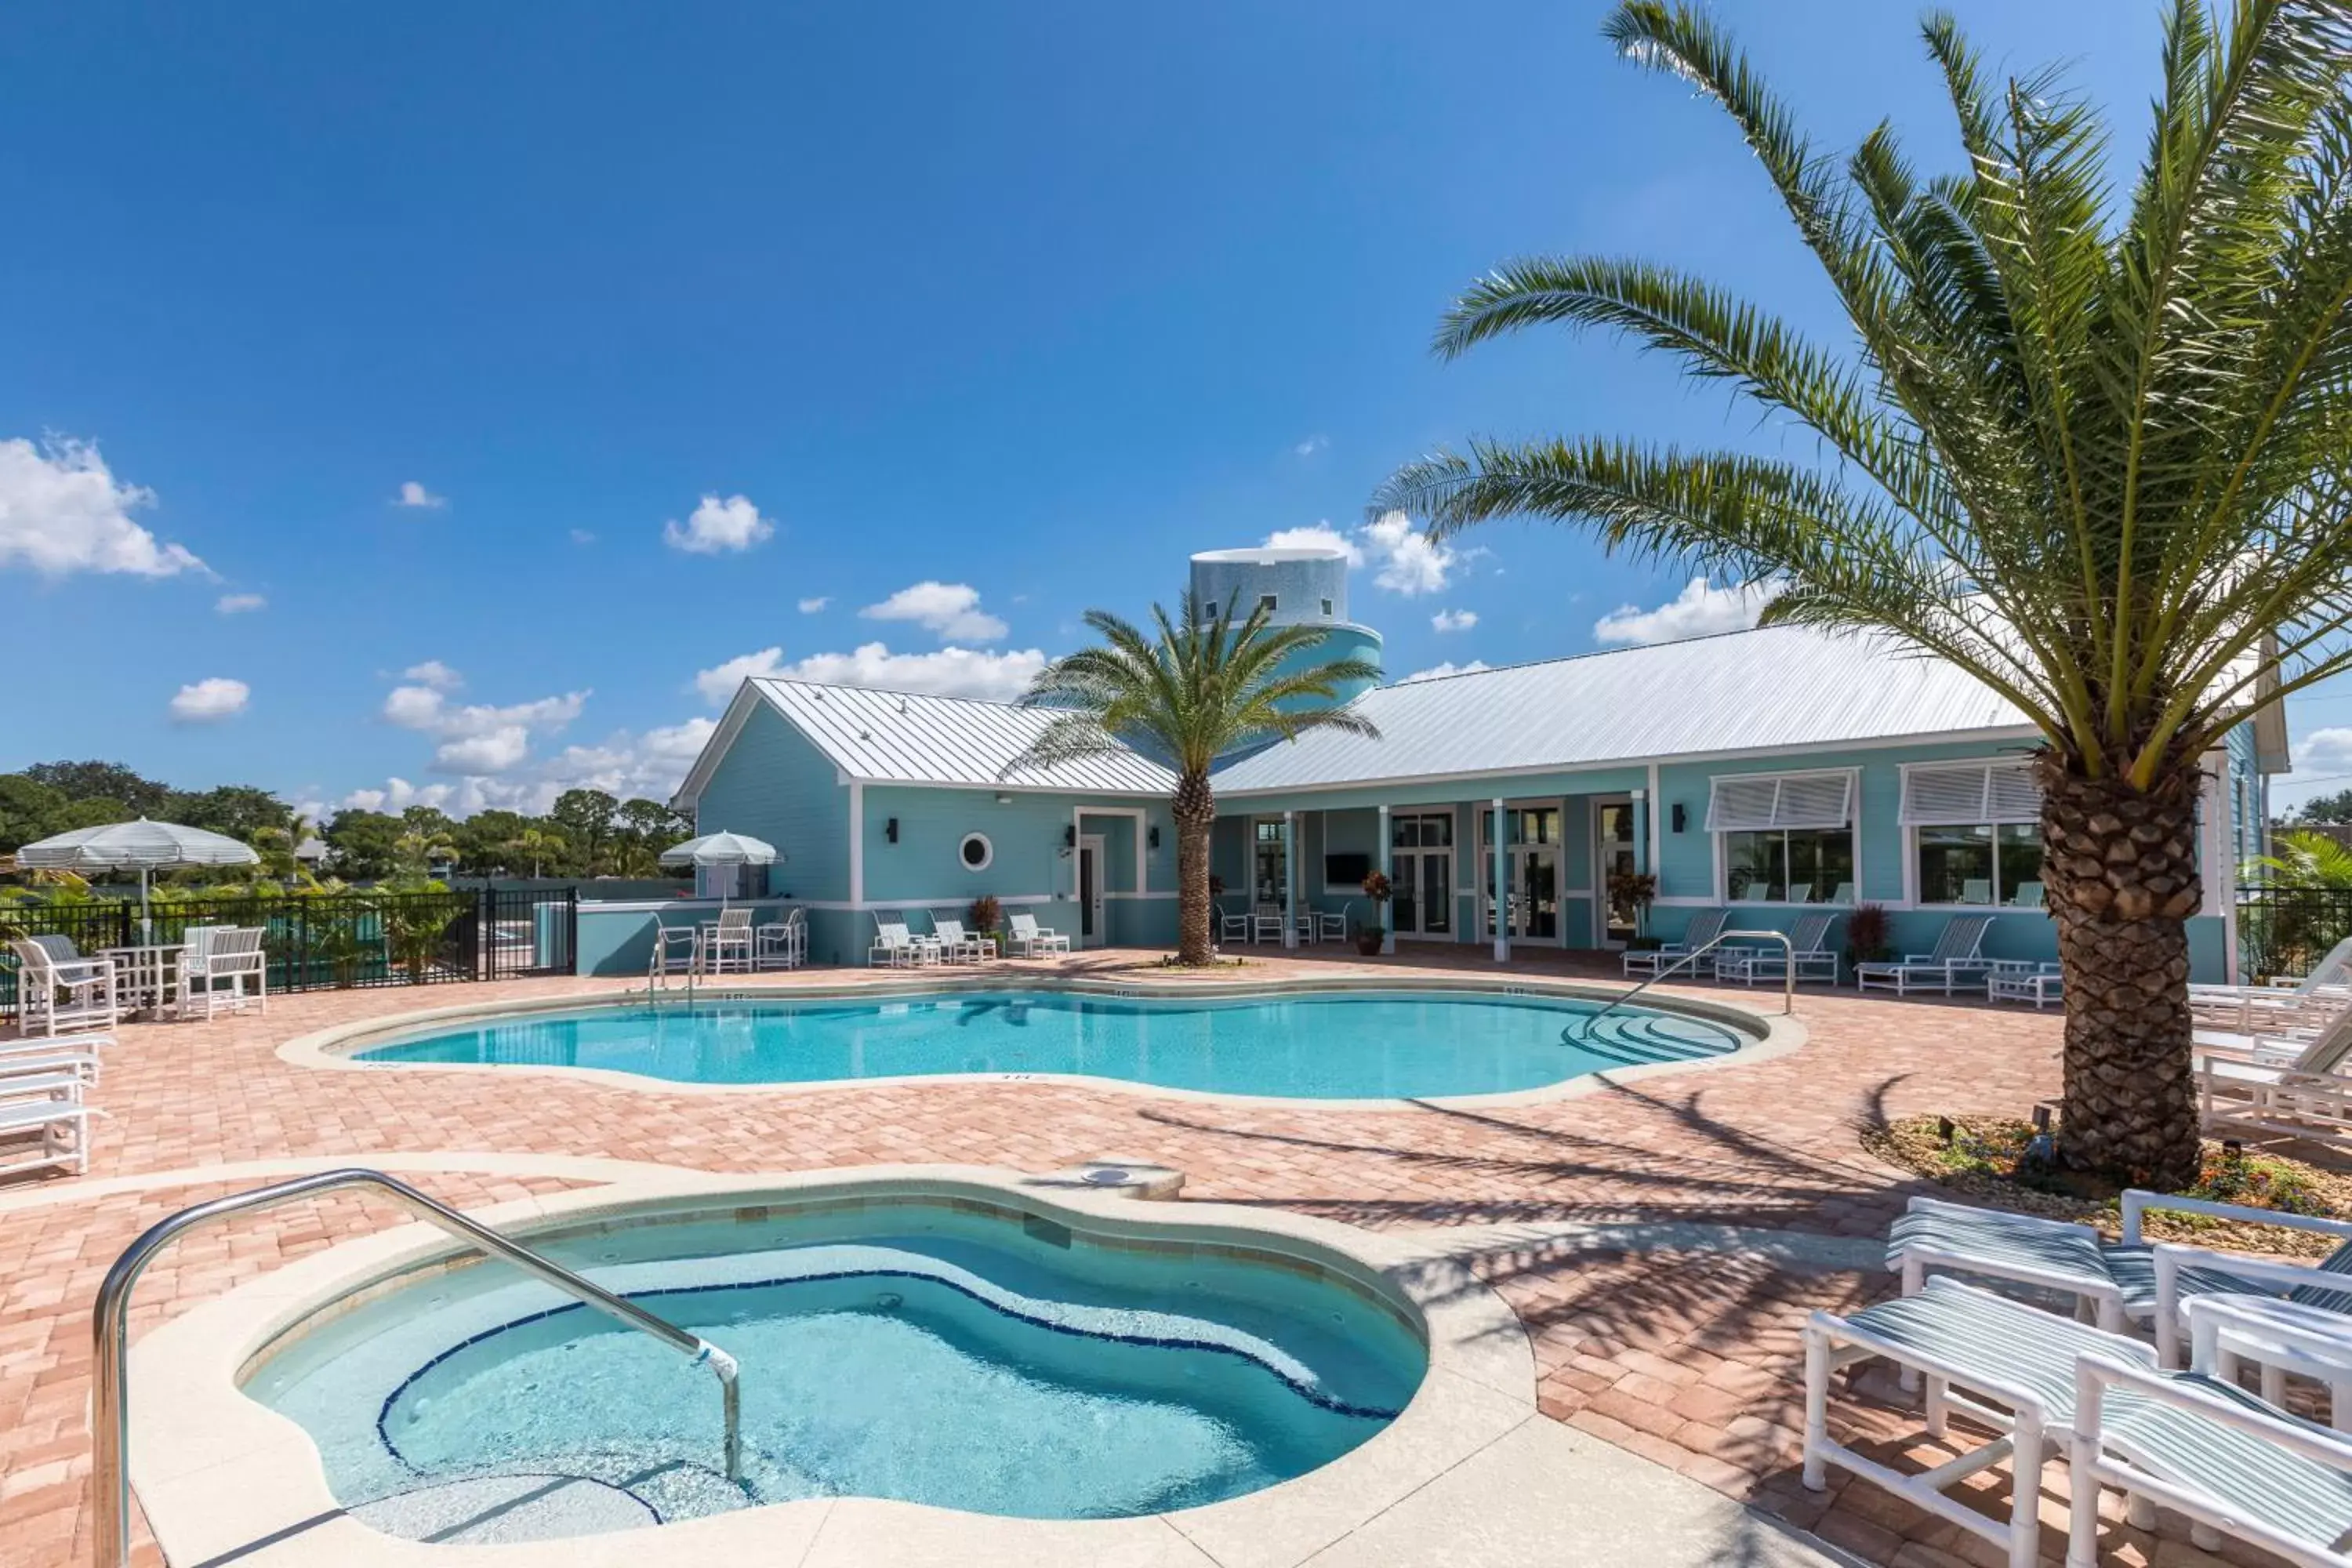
{"x":1345,"y":870}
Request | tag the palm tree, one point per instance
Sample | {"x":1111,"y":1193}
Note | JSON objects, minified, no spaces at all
{"x":538,"y":845}
{"x":1205,"y":688}
{"x":2087,"y":444}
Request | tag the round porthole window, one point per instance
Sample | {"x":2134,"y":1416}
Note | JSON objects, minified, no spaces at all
{"x":976,"y":851}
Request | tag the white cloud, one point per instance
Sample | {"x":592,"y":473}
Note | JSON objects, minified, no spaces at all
{"x":1409,"y":563}
{"x":477,"y":736}
{"x":492,"y":751}
{"x":717,"y":526}
{"x":412,"y":494}
{"x":434,"y":673}
{"x":1454,"y":620}
{"x":952,"y":610}
{"x":1312,"y":445}
{"x":239,"y":604}
{"x":717,"y":683}
{"x":1436,"y":671}
{"x":1321,"y":536}
{"x":811,"y":607}
{"x":650,"y":764}
{"x":2323,"y":752}
{"x":61,"y":511}
{"x":1699,"y":610}
{"x":210,"y":700}
{"x":947,"y":673}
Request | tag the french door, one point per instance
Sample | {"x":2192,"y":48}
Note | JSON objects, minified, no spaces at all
{"x":1421,"y":876}
{"x":1613,"y":851}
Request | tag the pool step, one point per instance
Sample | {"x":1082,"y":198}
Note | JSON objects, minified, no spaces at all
{"x":585,"y":1494}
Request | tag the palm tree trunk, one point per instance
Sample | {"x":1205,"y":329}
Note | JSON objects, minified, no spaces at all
{"x":2120,"y":873}
{"x":1195,"y":809}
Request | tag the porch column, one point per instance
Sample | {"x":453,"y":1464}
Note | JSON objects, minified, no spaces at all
{"x":1290,"y":878}
{"x":1502,"y":906}
{"x":1387,"y":863}
{"x":1641,"y":830}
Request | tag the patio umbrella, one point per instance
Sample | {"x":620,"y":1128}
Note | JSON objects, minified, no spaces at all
{"x":141,"y":846}
{"x":722,"y":850}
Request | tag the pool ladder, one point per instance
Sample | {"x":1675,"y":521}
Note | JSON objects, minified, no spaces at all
{"x":1788,"y":983}
{"x":110,"y":1409}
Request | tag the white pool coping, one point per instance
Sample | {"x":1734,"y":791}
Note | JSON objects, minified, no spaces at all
{"x":220,"y":1474}
{"x":1768,"y":1035}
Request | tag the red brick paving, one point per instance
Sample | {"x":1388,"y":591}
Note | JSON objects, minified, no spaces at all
{"x":1687,"y":1358}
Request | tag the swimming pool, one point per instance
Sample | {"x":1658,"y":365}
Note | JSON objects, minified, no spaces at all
{"x":959,"y":1352}
{"x":1378,"y":1044}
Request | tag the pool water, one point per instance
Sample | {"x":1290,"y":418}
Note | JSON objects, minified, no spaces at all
{"x":1350,"y":1046}
{"x":914,"y":1349}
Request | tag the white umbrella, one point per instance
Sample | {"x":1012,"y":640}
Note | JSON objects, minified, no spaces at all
{"x":722,"y":850}
{"x":141,"y":846}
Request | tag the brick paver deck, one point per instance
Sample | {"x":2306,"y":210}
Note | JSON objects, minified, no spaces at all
{"x":1687,"y":1357}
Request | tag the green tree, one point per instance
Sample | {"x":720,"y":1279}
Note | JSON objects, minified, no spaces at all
{"x":103,"y":781}
{"x":1205,"y":687}
{"x":2087,"y":444}
{"x":537,"y":845}
{"x":485,"y":840}
{"x":2337,"y":808}
{"x":30,"y":809}
{"x":365,"y":844}
{"x":585,"y":817}
{"x":2308,"y":860}
{"x":239,"y":811}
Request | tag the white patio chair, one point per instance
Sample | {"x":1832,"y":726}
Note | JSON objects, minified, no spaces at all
{"x":1030,"y":940}
{"x":1841,"y":894}
{"x":1267,"y":923}
{"x":2282,"y":1002}
{"x":782,"y":944}
{"x":57,"y":989}
{"x":2028,"y":896}
{"x":1809,"y":953}
{"x":2022,"y":980}
{"x":959,"y":946}
{"x":1957,"y":957}
{"x":1976,"y":890}
{"x":1329,"y":927}
{"x":1704,"y":928}
{"x":1232,"y":927}
{"x":2292,"y":1084}
{"x":230,"y":955}
{"x":727,"y":943}
{"x":63,"y":1126}
{"x":678,"y":950}
{"x":898,"y":948}
{"x":1756,"y":893}
{"x":44,"y":1059}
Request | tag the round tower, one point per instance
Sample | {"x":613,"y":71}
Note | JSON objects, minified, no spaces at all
{"x":1301,"y":586}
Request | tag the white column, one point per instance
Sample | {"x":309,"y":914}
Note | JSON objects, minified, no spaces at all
{"x":1502,"y":886}
{"x":856,"y":845}
{"x":1387,"y":863}
{"x":1290,"y":878}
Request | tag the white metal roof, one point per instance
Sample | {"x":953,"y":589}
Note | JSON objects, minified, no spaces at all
{"x":1768,"y":689}
{"x":905,"y":737}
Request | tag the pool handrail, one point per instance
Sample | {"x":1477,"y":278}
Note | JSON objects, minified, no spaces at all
{"x":1787,"y":983}
{"x":109,"y":1408}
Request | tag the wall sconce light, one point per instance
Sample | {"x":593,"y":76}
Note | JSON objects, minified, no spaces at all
{"x":1070,"y":837}
{"x":1003,"y":799}
{"x":890,"y":830}
{"x":1153,"y":836}
{"x":1678,"y":816}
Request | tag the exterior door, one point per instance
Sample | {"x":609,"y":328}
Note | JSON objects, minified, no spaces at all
{"x":1420,"y":861}
{"x":1093,"y":929}
{"x":1613,"y":851}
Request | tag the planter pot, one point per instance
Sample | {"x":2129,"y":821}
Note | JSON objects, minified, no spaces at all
{"x":1369,"y":943}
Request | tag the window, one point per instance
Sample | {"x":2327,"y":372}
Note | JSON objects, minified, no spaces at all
{"x":1784,"y":837}
{"x":1267,"y":603}
{"x":1327,"y":609}
{"x":1270,"y":862}
{"x":1976,"y":833}
{"x":975,"y":852}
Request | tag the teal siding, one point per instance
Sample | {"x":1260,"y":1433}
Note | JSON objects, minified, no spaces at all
{"x":774,"y":784}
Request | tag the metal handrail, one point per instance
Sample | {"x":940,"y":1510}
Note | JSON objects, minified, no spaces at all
{"x":1788,"y":982}
{"x":110,"y":1409}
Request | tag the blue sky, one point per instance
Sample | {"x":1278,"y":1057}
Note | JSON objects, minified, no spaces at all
{"x":506,"y":377}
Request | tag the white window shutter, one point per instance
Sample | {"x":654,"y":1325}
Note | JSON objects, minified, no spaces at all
{"x":1815,"y":800}
{"x":1742,"y":803}
{"x":2015,"y":796}
{"x":1945,"y":793}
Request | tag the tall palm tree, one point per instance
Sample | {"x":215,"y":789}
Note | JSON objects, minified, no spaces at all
{"x":2089,"y":445}
{"x":1205,"y":688}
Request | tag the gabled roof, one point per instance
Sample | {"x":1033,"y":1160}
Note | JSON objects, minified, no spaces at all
{"x":1772,"y":689}
{"x":909,"y":738}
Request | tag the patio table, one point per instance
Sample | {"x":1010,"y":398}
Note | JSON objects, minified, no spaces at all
{"x":144,"y":976}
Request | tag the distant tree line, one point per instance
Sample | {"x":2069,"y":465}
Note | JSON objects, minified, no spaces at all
{"x":585,"y":833}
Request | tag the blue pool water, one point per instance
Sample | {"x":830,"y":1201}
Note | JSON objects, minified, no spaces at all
{"x":982,"y":1360}
{"x":1350,"y":1046}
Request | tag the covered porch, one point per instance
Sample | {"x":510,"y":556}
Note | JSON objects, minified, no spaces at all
{"x":1513,"y":871}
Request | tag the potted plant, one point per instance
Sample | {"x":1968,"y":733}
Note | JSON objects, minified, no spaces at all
{"x":1370,"y":939}
{"x":1635,"y":890}
{"x":1869,"y":938}
{"x":986,"y":918}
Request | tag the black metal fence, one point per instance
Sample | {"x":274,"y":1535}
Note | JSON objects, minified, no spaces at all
{"x":2287,"y":931}
{"x":340,"y":940}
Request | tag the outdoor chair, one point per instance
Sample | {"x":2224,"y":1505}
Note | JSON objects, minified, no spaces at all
{"x":1841,"y":894}
{"x":2117,"y":1283}
{"x":2283,"y":1001}
{"x":1976,"y":891}
{"x":1329,"y":927}
{"x":63,"y":1129}
{"x":1704,"y":928}
{"x":1956,"y":958}
{"x":215,"y":967}
{"x":57,"y":989}
{"x":898,"y":948}
{"x":727,"y":943}
{"x":782,"y":944}
{"x":1030,"y":940}
{"x":1266,"y":923}
{"x":2022,"y":980}
{"x":957,"y":946}
{"x":41,"y":1058}
{"x":1809,"y":953}
{"x":2294,"y":1085}
{"x":1232,"y":927}
{"x":2027,"y":895}
{"x":2023,"y":1373}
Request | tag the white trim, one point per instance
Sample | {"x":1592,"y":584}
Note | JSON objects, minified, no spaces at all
{"x":857,"y":845}
{"x":1098,"y":845}
{"x":1593,"y":806}
{"x":987,"y":852}
{"x":1655,"y":850}
{"x":1721,"y":885}
{"x":1619,"y":765}
{"x":1001,"y":787}
{"x":949,"y":901}
{"x":1139,"y":896}
{"x":698,"y":775}
{"x":1142,"y":819}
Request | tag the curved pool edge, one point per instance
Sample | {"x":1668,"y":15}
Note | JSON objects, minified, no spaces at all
{"x":1769,"y":1034}
{"x":218,"y":1474}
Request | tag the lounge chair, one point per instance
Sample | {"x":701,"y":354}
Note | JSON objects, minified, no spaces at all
{"x":1704,"y":928}
{"x":898,"y":948}
{"x":63,"y":1126}
{"x":2022,"y":980}
{"x":1976,"y":890}
{"x":1030,"y":940}
{"x":223,"y":953}
{"x":2116,"y":1281}
{"x":45,"y":1058}
{"x":2023,"y":1373}
{"x":2294,"y":1085}
{"x":957,"y":946}
{"x":1841,"y":894}
{"x":2027,"y":895}
{"x":2282,"y":1002}
{"x":1955,"y":960}
{"x":1756,"y":893}
{"x":57,"y":988}
{"x":1809,"y":953}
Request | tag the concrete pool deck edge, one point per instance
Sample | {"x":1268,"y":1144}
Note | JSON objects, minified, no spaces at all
{"x":1767,"y":1035}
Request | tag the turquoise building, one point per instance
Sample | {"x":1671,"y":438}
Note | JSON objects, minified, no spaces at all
{"x":1772,"y":770}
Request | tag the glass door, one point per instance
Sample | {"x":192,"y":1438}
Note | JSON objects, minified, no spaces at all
{"x":1530,"y":868}
{"x":1614,"y":851}
{"x":1421,"y":857}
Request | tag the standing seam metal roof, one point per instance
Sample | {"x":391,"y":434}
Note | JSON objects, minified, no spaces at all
{"x":894,"y":737}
